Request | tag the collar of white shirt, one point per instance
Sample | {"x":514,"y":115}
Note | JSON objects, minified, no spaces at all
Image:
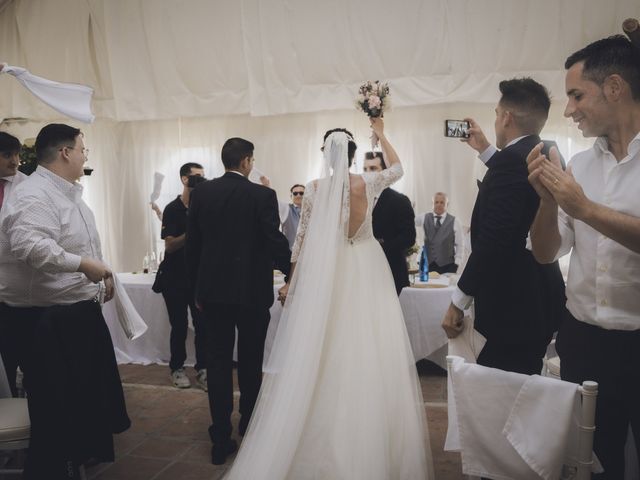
{"x":601,"y":145}
{"x":71,"y":190}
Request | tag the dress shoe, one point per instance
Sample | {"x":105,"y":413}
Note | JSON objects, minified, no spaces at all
{"x":219,"y":451}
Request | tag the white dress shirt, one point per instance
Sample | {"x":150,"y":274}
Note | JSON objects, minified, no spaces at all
{"x":457,"y":232}
{"x":46,"y":229}
{"x":11,"y":183}
{"x":603,"y":286}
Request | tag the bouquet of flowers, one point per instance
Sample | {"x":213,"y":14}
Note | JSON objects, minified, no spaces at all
{"x":373,"y":99}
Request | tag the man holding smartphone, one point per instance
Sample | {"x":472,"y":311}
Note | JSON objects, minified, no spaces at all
{"x":172,"y":282}
{"x":512,"y":298}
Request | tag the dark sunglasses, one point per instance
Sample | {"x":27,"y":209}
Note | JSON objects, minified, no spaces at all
{"x":297,"y":193}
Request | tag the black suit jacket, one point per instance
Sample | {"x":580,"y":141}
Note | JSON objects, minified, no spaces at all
{"x":234,"y":242}
{"x":513,"y":294}
{"x":393,"y":222}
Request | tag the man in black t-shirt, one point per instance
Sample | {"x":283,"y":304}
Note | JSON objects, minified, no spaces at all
{"x":174,"y":283}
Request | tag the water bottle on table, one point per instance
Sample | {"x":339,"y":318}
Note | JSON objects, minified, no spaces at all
{"x":424,"y":266}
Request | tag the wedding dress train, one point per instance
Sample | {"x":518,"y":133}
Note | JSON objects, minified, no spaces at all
{"x":341,"y":398}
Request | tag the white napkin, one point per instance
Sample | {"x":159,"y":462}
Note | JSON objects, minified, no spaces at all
{"x":540,"y":422}
{"x":157,"y":186}
{"x":255,"y":175}
{"x":70,"y":99}
{"x":508,"y":425}
{"x":468,"y":344}
{"x":128,"y":317}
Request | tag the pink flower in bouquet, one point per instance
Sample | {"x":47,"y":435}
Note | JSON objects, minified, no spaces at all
{"x":374,"y":102}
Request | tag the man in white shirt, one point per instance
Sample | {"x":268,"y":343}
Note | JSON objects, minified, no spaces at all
{"x":594,"y":210}
{"x":9,"y":163}
{"x":9,"y":177}
{"x":443,"y":237}
{"x":75,"y":396}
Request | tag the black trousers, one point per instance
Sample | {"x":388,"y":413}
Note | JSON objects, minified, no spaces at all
{"x":17,"y":325}
{"x":76,"y":401}
{"x":448,"y":268}
{"x":526,"y":359}
{"x":177,"y":300}
{"x":252,"y":324}
{"x":611,"y":358}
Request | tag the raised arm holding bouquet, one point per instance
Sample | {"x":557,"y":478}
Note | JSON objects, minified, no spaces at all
{"x":373,"y":99}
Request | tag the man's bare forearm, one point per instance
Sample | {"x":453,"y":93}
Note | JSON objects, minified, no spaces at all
{"x":545,"y":236}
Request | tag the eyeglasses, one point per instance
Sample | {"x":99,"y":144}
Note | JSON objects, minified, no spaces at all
{"x":296,"y":194}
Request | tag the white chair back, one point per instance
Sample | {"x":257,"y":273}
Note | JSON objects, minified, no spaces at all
{"x":509,"y":425}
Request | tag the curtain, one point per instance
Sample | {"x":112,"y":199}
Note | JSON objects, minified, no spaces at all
{"x":125,"y":156}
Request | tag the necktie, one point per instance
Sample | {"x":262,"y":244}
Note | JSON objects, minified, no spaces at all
{"x":2,"y":184}
{"x":438,"y":221}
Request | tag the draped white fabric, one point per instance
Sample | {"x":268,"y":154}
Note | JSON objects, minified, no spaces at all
{"x":173,"y":80}
{"x":164,"y":59}
{"x":125,"y":156}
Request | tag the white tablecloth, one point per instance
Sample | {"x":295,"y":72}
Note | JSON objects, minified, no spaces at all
{"x":423,"y":310}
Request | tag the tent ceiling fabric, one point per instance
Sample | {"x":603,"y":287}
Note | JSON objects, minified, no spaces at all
{"x":160,"y":59}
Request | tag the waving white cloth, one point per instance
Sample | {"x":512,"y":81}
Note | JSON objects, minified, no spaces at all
{"x":511,"y":426}
{"x":70,"y":99}
{"x":293,"y":368}
{"x":130,"y":320}
{"x":158,"y":178}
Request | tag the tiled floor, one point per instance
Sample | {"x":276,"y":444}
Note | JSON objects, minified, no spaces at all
{"x":168,"y":437}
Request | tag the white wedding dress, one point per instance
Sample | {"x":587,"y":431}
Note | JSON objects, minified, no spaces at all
{"x":340,"y":399}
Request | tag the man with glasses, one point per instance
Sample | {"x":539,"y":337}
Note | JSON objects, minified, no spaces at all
{"x":10,"y":318}
{"x":290,"y":213}
{"x":75,"y":396}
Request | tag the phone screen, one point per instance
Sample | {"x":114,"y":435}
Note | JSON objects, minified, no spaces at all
{"x":456,"y":128}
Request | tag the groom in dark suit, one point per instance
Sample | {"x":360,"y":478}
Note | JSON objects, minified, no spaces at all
{"x":233,"y":243}
{"x":511,"y":291}
{"x":393,"y":227}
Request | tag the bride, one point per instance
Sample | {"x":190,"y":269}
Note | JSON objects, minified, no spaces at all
{"x":340,"y":398}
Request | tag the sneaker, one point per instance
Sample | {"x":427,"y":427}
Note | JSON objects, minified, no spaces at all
{"x":201,"y":379}
{"x":180,"y":379}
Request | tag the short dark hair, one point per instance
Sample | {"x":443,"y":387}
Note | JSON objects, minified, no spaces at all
{"x":9,"y":145}
{"x":297,"y":185}
{"x":528,"y":101}
{"x":373,"y":156}
{"x":185,"y":170}
{"x":51,"y":138}
{"x":234,"y":151}
{"x":351,"y":147}
{"x":608,"y":56}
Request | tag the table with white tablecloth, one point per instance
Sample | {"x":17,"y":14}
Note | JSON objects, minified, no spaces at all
{"x":423,"y":310}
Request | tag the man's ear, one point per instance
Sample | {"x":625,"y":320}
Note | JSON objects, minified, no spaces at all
{"x":613,"y":87}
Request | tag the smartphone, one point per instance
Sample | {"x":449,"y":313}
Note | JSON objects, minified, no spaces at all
{"x":456,"y":128}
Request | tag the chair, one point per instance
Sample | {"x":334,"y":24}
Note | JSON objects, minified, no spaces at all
{"x":500,"y":426}
{"x":15,"y":426}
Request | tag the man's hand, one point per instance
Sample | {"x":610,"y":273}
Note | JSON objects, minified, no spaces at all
{"x":264,"y":180}
{"x":453,"y":324}
{"x":535,"y":162}
{"x":565,"y":190}
{"x":476,"y":138}
{"x":94,"y":270}
{"x":282,"y":293}
{"x":156,"y":209}
{"x":109,"y":289}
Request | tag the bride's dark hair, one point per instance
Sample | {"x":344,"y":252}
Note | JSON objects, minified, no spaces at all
{"x":352,"y":147}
